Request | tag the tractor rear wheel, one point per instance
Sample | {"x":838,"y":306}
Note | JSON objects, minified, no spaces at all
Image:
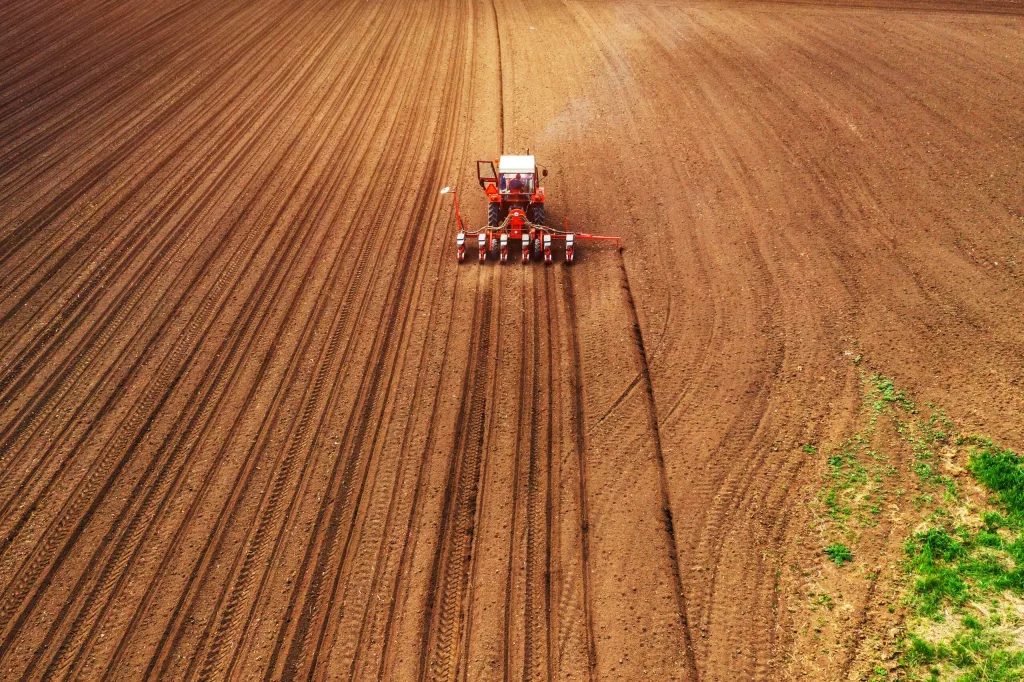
{"x":493,"y":215}
{"x":536,"y":214}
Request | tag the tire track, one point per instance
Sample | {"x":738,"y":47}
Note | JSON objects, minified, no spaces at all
{"x":350,"y":484}
{"x":33,"y":415}
{"x":450,"y":574}
{"x":404,"y":562}
{"x":537,"y":661}
{"x":403,"y":570}
{"x":199,"y":207}
{"x":527,"y":415}
{"x":462,"y":646}
{"x":162,"y":378}
{"x":360,"y":562}
{"x":652,"y":410}
{"x":580,"y":443}
{"x":228,"y":510}
{"x":228,"y":355}
{"x":301,"y":441}
{"x":735,"y":486}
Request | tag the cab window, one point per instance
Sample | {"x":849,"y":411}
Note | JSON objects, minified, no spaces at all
{"x":508,"y":178}
{"x":485,"y":172}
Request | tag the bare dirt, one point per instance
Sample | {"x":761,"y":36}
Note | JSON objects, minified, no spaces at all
{"x":256,"y":422}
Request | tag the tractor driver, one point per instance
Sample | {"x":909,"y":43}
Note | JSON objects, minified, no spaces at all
{"x":517,"y":184}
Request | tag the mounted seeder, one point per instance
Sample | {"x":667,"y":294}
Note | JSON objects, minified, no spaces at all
{"x":515,"y":214}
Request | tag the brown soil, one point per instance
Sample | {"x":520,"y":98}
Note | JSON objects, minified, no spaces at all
{"x":256,"y":422}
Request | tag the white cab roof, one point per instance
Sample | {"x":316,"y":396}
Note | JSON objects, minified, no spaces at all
{"x":516,"y":164}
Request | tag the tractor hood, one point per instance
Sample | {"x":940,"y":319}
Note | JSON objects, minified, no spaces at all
{"x":517,"y":164}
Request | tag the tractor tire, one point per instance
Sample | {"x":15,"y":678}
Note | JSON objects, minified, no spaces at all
{"x":493,"y":215}
{"x":537,"y":216}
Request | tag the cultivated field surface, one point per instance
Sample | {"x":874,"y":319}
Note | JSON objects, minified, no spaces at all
{"x":257,"y":423}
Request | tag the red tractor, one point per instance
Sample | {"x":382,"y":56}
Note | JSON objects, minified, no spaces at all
{"x":515,"y":213}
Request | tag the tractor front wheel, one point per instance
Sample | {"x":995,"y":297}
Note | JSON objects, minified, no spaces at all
{"x":493,"y":215}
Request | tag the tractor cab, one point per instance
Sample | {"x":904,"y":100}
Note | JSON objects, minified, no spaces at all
{"x":514,"y":194}
{"x":514,"y":175}
{"x":517,"y":174}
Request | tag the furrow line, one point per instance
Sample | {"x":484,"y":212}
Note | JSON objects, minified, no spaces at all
{"x":201,"y":270}
{"x":109,"y":97}
{"x":197,"y":119}
{"x":83,"y":500}
{"x":580,"y":442}
{"x":27,"y":228}
{"x":357,"y":565}
{"x":300,"y":441}
{"x":227,"y":513}
{"x":180,"y":532}
{"x":450,"y":575}
{"x":344,"y":504}
{"x":228,"y":355}
{"x":680,"y":594}
{"x":32,"y":415}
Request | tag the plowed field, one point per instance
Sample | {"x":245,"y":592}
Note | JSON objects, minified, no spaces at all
{"x":256,"y":422}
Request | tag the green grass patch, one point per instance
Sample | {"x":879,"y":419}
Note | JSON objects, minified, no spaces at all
{"x":839,"y":553}
{"x":858,"y":470}
{"x":963,"y":594}
{"x":978,"y":652}
{"x":967,"y":576}
{"x":1001,"y":471}
{"x":888,"y":395}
